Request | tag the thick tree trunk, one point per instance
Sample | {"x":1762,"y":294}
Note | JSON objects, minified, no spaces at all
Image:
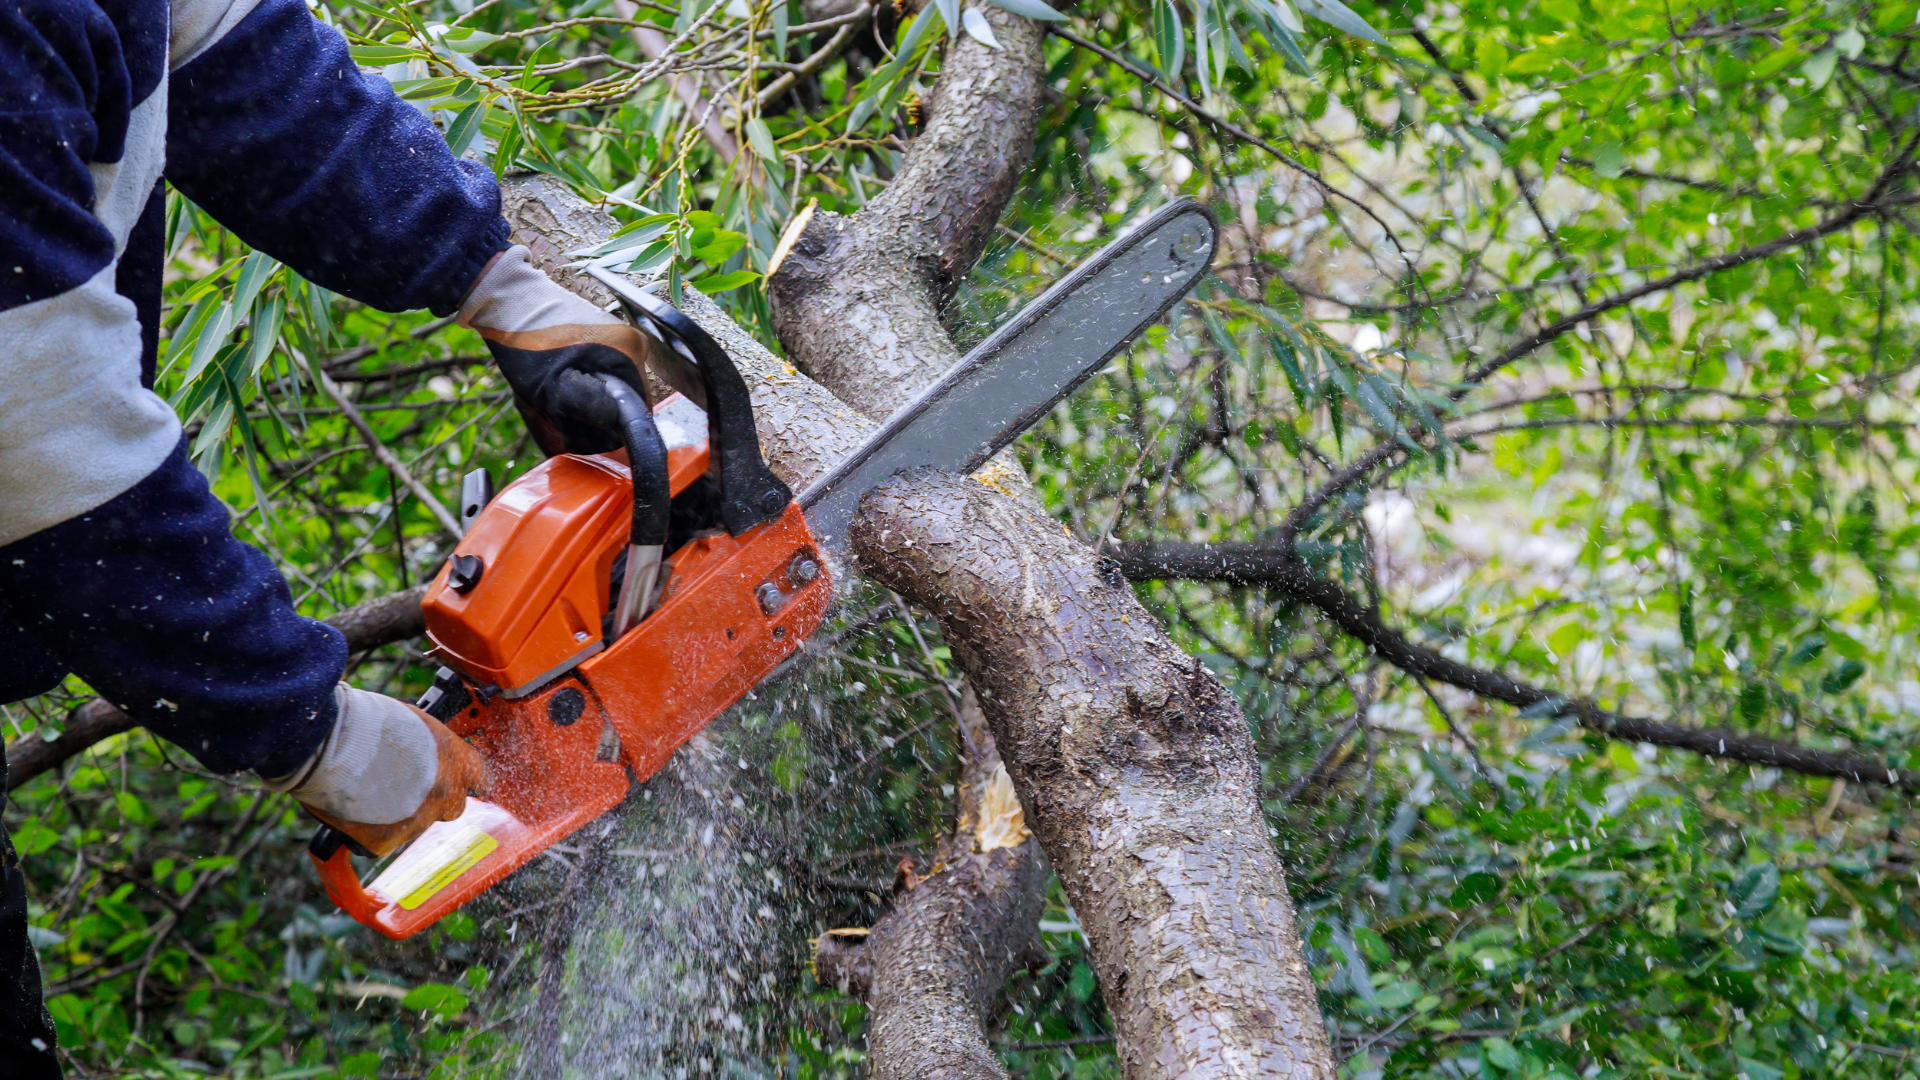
{"x":1137,"y":773}
{"x":857,"y":305}
{"x":857,"y":301}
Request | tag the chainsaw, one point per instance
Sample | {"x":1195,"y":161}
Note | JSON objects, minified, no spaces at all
{"x":601,"y":609}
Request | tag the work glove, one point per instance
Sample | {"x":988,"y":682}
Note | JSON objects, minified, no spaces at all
{"x":552,"y":346}
{"x":386,"y":772}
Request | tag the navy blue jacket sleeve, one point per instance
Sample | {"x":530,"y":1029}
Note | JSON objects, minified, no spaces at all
{"x":65,"y":95}
{"x":151,"y":600}
{"x":275,"y":132}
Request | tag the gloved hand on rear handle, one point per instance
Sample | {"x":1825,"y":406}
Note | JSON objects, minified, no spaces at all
{"x":552,"y":346}
{"x":386,"y":772}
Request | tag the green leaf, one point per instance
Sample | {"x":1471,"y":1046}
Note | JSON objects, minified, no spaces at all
{"x":1341,"y":17}
{"x":949,"y":14}
{"x":1608,"y":160}
{"x":438,"y":998}
{"x":1500,"y":1053}
{"x":720,"y":283}
{"x":1372,"y":945}
{"x":382,"y":55}
{"x":861,"y":111}
{"x":762,"y":139}
{"x":426,"y":89}
{"x":1755,"y":889}
{"x":466,"y":39}
{"x":1032,"y":9}
{"x":978,"y":28}
{"x":1840,"y":678}
{"x":1475,"y":888}
{"x":1819,"y":68}
{"x":1809,"y":648}
{"x":1397,"y":995}
{"x":465,"y":126}
{"x":1289,"y":18}
{"x":1169,"y":38}
{"x":253,"y":276}
{"x":1758,"y":1070}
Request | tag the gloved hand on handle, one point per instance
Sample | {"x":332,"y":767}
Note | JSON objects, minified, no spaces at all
{"x":552,"y":346}
{"x":386,"y":772}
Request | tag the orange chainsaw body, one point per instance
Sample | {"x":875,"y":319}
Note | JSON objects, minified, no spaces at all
{"x":568,"y":723}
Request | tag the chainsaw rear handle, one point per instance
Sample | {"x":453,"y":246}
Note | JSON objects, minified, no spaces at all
{"x":337,"y":874}
{"x":750,"y":494}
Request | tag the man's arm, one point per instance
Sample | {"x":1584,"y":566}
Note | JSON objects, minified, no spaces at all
{"x":274,"y":131}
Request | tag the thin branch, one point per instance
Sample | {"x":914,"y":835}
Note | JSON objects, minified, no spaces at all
{"x":811,"y":64}
{"x":1278,"y":568}
{"x":386,"y":457}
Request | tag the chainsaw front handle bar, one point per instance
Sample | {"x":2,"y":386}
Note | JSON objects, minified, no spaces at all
{"x":750,"y":494}
{"x":646,"y":460}
{"x":652,"y":503}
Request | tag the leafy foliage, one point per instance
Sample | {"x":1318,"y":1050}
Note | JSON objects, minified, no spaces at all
{"x":1616,"y":297}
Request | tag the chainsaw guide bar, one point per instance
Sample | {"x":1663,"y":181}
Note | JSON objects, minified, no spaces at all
{"x":587,"y":635}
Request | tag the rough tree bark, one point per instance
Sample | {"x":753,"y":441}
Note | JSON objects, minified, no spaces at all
{"x":931,"y":968}
{"x":1137,"y":773}
{"x":857,"y":301}
{"x":857,"y":305}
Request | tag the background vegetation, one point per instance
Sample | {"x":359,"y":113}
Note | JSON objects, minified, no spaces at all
{"x":1693,"y":503}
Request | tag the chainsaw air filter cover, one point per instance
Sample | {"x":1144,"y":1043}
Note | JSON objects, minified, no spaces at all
{"x":524,"y":595}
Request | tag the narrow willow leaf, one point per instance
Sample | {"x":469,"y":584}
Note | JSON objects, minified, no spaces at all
{"x":382,"y":55}
{"x":262,"y":334}
{"x":950,"y":14}
{"x":761,"y":139}
{"x":465,"y":39}
{"x":978,"y":29}
{"x":861,"y":111}
{"x":1289,"y":18}
{"x":1169,"y":38}
{"x":1340,"y":17}
{"x":465,"y":126}
{"x":718,"y":283}
{"x":1032,"y":9}
{"x":1290,"y":48}
{"x":1202,"y":63}
{"x":254,"y":274}
{"x":781,"y":21}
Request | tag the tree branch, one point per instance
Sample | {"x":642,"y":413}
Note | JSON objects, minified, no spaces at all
{"x":1273,"y":567}
{"x":685,"y":87}
{"x":857,"y":300}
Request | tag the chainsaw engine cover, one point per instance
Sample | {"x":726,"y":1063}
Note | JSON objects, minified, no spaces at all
{"x":523,"y":597}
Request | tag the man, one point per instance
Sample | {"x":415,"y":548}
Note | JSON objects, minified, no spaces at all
{"x":116,"y":563}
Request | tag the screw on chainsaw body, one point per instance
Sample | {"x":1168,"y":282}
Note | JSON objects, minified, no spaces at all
{"x":769,"y":596}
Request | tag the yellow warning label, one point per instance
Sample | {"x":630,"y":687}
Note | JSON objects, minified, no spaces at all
{"x":461,"y":857}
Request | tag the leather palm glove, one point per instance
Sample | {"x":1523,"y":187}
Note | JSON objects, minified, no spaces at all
{"x":552,"y":346}
{"x":386,"y":772}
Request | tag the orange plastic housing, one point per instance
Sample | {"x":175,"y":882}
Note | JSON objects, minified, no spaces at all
{"x":580,"y":732}
{"x":546,"y":546}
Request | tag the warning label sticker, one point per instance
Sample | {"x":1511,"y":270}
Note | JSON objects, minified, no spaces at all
{"x":438,"y":858}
